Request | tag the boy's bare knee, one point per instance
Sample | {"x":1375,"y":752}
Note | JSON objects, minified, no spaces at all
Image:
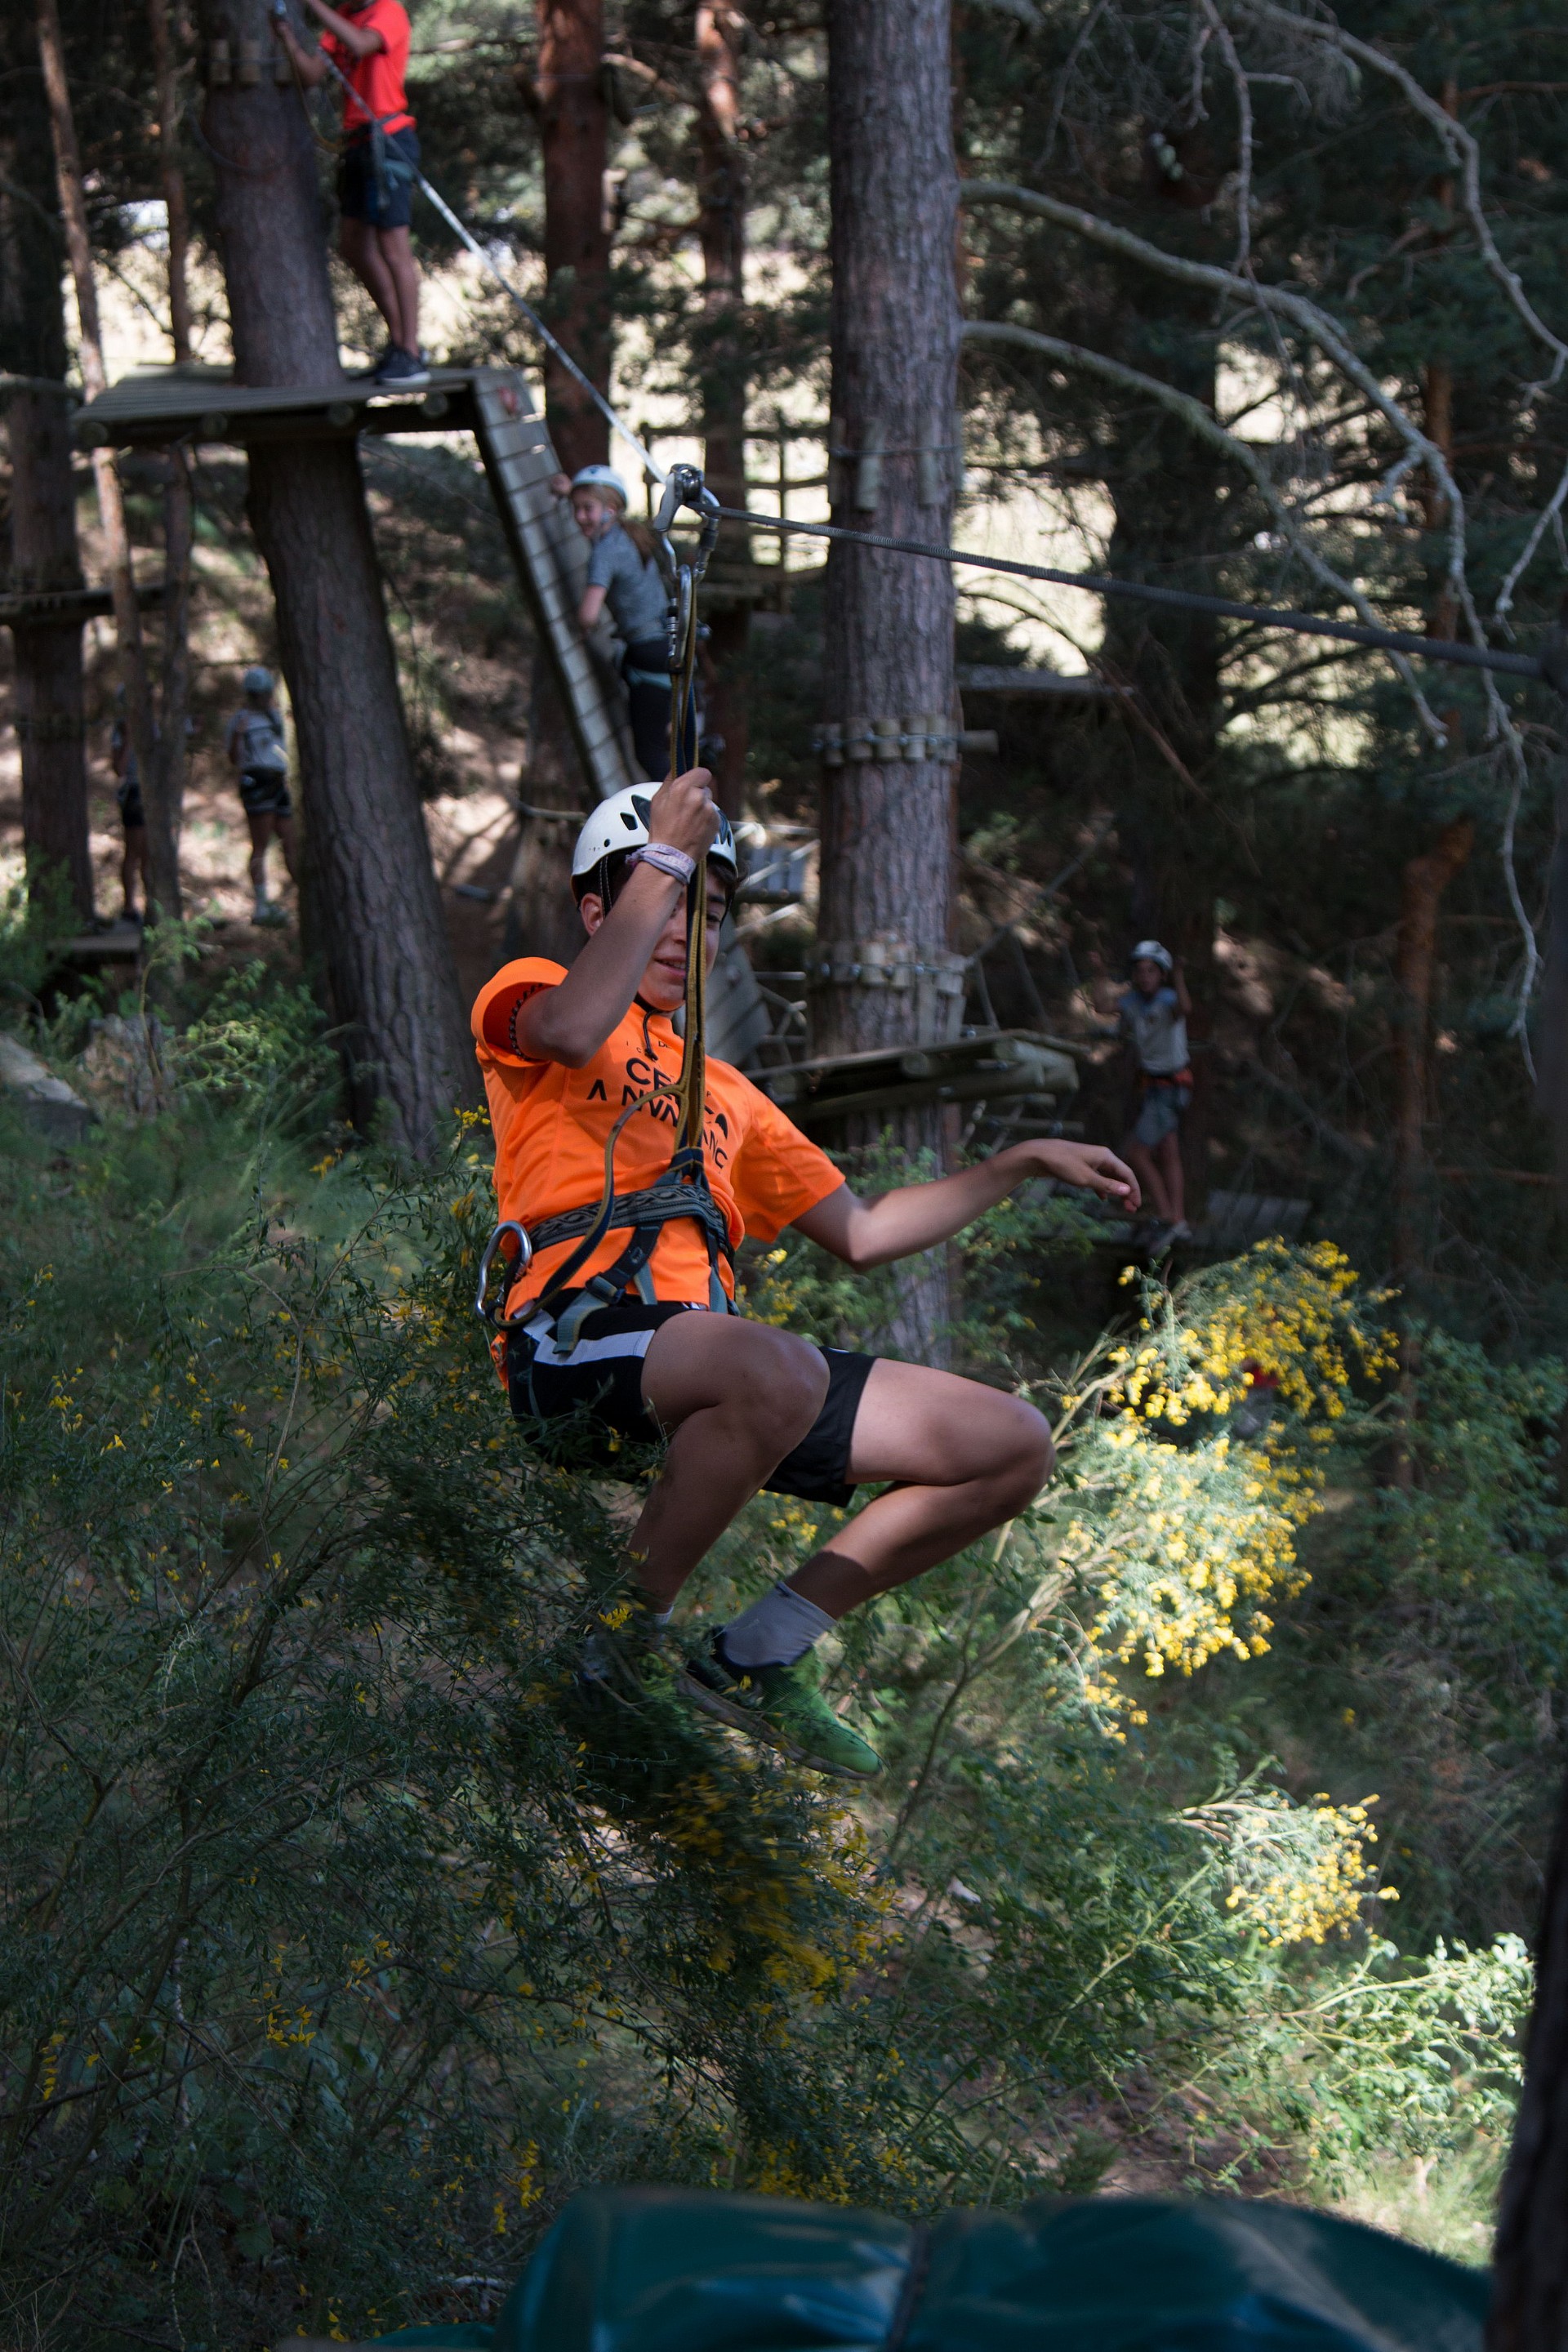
{"x":791,"y":1383}
{"x":1031,"y":1453}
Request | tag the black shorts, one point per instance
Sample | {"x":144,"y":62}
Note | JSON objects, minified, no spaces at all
{"x":384,"y":200}
{"x":131,"y":812}
{"x":599,"y":1386}
{"x":265,"y":793}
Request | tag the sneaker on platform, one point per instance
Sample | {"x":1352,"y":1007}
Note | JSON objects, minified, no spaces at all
{"x":781,"y":1705}
{"x":402,"y":371}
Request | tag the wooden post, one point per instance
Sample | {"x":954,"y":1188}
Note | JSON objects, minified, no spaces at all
{"x":43,"y":540}
{"x":162,"y":848}
{"x":885,"y":974}
{"x":373,"y":913}
{"x":722,"y":234}
{"x":574,"y":126}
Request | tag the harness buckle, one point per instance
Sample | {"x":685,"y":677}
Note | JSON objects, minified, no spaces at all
{"x":490,"y":1311}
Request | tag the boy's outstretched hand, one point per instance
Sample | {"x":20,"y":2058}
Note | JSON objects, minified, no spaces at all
{"x":1091,"y":1165}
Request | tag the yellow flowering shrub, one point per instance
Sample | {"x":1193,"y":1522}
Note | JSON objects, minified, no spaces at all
{"x":1297,"y":1873}
{"x":1178,"y":1532}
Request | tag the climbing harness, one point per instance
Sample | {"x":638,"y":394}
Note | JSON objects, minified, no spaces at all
{"x":684,"y":1190}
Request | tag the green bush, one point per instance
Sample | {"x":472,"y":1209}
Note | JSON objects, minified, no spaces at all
{"x":340,"y":1938}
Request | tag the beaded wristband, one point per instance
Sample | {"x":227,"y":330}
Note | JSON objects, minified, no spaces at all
{"x":665,"y":857}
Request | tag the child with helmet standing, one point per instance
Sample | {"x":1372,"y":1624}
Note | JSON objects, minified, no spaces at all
{"x":623,"y":574}
{"x":636,"y":1335}
{"x":258,"y":753}
{"x":1152,"y":1016}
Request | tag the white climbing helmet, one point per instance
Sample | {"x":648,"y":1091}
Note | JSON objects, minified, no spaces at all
{"x":601,"y":478}
{"x":622,"y":822}
{"x":1151,"y":952}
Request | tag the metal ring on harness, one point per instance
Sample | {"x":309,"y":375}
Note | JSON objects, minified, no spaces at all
{"x":491,"y":1311}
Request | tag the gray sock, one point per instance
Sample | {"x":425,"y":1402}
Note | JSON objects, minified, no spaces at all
{"x":775,"y":1631}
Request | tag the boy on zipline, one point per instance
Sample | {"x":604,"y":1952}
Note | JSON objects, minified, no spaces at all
{"x":742,"y":1404}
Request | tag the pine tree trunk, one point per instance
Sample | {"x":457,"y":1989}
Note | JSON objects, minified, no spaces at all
{"x":1530,"y":2259}
{"x":574,"y":127}
{"x":372,"y":913}
{"x":722,"y":234}
{"x":43,"y":541}
{"x":885,"y":968}
{"x":162,"y":848}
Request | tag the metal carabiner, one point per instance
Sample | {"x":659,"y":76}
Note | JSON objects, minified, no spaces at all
{"x":491,"y":1312}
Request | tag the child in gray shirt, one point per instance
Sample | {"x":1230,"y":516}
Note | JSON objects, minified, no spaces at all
{"x":623,"y":574}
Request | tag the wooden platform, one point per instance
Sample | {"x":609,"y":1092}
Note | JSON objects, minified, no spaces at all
{"x":69,"y":606}
{"x":988,"y":1065}
{"x":1000,"y":677}
{"x":152,"y":407}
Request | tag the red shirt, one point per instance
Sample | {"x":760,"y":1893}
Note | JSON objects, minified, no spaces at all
{"x":377,"y":80}
{"x":551,"y":1124}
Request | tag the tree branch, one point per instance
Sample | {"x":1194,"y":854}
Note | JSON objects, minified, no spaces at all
{"x":1207,"y":427}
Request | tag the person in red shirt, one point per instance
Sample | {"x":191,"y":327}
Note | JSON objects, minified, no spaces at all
{"x":367,"y":41}
{"x":637,"y":1352}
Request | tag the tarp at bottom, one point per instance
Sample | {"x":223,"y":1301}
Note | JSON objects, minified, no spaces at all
{"x":669,"y":2269}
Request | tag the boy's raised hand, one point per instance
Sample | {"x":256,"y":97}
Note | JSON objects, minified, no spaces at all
{"x":1091,"y":1165}
{"x":685,"y":814}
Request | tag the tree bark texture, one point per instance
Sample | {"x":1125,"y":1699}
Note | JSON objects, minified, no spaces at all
{"x":886,"y":974}
{"x":163,"y":847}
{"x":1552,"y":1052}
{"x":1530,"y":2259}
{"x":172,"y":752}
{"x":1425,"y":880}
{"x":166,"y":85}
{"x":574,"y":114}
{"x":372,"y":912}
{"x":43,"y":552}
{"x":722,"y":361}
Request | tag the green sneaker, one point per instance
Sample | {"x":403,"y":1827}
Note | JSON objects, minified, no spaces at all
{"x":782,"y":1705}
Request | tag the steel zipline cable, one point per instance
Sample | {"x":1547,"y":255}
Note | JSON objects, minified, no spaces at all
{"x":1102,"y":583}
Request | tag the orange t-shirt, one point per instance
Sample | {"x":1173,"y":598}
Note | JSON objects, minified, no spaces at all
{"x":377,"y":80}
{"x":550,"y":1125}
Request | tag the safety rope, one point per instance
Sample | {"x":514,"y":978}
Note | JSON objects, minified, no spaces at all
{"x":684,"y":487}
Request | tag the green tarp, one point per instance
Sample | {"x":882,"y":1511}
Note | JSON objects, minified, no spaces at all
{"x":667,"y":2270}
